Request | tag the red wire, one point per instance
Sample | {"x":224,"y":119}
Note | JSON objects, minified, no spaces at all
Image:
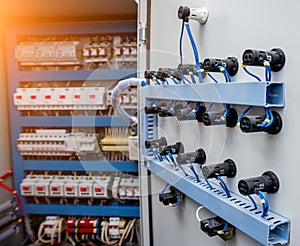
{"x":6,"y":175}
{"x":11,"y":190}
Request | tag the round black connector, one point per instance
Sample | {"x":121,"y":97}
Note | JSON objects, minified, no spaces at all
{"x":275,"y":57}
{"x":156,"y":143}
{"x":268,"y":182}
{"x":199,"y":156}
{"x":231,"y":64}
{"x":199,"y":113}
{"x":173,"y":149}
{"x":227,"y":168}
{"x":252,"y":124}
{"x":184,"y":13}
{"x":214,"y":118}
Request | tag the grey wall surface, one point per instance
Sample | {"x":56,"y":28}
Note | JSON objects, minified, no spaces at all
{"x":232,"y":27}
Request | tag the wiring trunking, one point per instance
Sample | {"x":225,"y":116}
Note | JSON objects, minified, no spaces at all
{"x":229,"y":104}
{"x":70,"y":152}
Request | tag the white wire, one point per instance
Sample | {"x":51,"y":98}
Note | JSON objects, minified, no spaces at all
{"x":197,"y":213}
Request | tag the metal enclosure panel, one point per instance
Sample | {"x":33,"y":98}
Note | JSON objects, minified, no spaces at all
{"x":232,"y":27}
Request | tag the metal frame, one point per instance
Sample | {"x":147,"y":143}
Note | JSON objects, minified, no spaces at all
{"x":14,"y":76}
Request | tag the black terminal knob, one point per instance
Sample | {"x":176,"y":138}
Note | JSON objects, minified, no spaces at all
{"x":198,"y":156}
{"x":152,"y":110}
{"x":275,"y":57}
{"x":187,"y":69}
{"x":214,"y":118}
{"x":268,"y":182}
{"x":227,"y":168}
{"x":184,"y":13}
{"x":156,"y":143}
{"x":173,"y":149}
{"x":149,"y":74}
{"x":250,"y":124}
{"x":212,"y":65}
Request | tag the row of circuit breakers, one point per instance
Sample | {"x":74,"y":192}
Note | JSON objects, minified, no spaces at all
{"x":71,"y":98}
{"x":81,"y":51}
{"x":58,"y":142}
{"x":103,"y":187}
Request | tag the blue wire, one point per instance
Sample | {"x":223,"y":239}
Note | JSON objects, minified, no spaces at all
{"x":194,"y":172}
{"x":187,"y":80}
{"x":251,"y":74}
{"x":155,"y":80}
{"x":252,"y":200}
{"x":214,"y":79}
{"x":223,"y":185}
{"x":170,"y":156}
{"x":193,"y":78}
{"x":264,"y":205}
{"x":196,"y":55}
{"x":164,"y":189}
{"x":207,"y":110}
{"x":243,"y":113}
{"x":225,"y":227}
{"x":173,"y":79}
{"x":194,"y":110}
{"x":166,"y":81}
{"x":225,"y":73}
{"x":180,"y":41}
{"x":178,"y":201}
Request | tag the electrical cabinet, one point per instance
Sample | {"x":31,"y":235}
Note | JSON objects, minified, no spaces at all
{"x":59,"y":82}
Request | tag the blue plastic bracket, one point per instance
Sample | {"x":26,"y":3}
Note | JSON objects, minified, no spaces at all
{"x":270,"y":230}
{"x":241,"y":93}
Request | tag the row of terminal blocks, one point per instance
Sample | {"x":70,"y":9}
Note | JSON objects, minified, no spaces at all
{"x":76,"y":52}
{"x":58,"y":142}
{"x":71,"y":98}
{"x":103,"y":187}
{"x":116,"y":226}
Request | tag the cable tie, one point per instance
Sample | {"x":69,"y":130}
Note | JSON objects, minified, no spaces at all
{"x":266,"y":63}
{"x":244,"y":65}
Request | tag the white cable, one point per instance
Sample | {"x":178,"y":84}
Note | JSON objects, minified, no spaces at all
{"x":197,"y":213}
{"x":116,"y":92}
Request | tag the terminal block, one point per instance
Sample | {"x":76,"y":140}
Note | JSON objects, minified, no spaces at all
{"x":230,"y":64}
{"x":156,"y":143}
{"x":199,"y":14}
{"x":218,"y":227}
{"x":182,"y":113}
{"x":152,"y":110}
{"x":173,"y":149}
{"x":275,"y":57}
{"x":227,"y":168}
{"x":250,"y":124}
{"x":165,"y":73}
{"x":198,"y":157}
{"x":267,"y":182}
{"x":171,"y":197}
{"x":187,"y":69}
{"x":149,"y":74}
{"x":215,"y":118}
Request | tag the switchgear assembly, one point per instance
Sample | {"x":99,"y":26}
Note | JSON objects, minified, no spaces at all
{"x":214,"y":123}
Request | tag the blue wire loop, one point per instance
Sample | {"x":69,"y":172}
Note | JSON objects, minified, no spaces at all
{"x":223,"y":185}
{"x":195,"y":50}
{"x":252,"y":200}
{"x":213,"y":78}
{"x":180,"y":41}
{"x":264,"y":202}
{"x":251,"y":74}
{"x":194,"y":172}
